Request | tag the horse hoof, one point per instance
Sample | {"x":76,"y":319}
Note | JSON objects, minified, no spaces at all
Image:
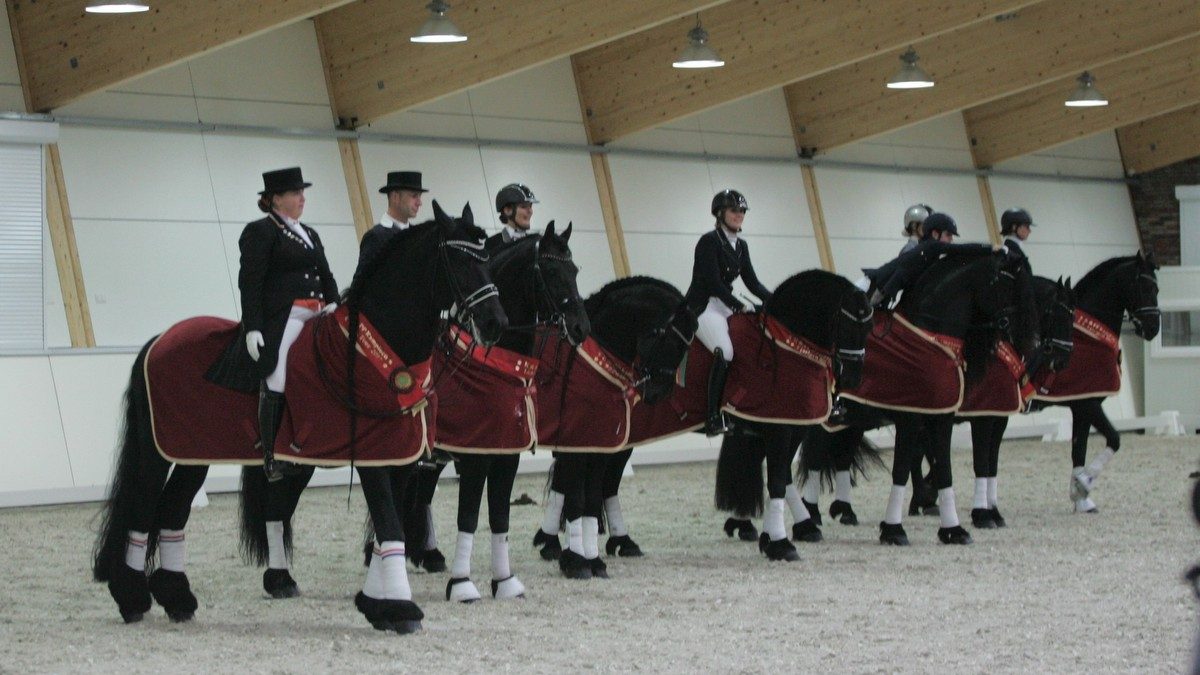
{"x":814,"y":512}
{"x":622,"y":546}
{"x":508,"y":588}
{"x":461,"y":589}
{"x":997,"y":518}
{"x":843,"y":509}
{"x":1086,"y":505}
{"x":574,"y":566}
{"x":433,"y":561}
{"x":806,"y":531}
{"x":744,"y":528}
{"x":954,"y":535}
{"x":279,"y":584}
{"x":892,"y":535}
{"x":982,"y":519}
{"x":779,"y":549}
{"x":551,"y":549}
{"x":131,"y":590}
{"x":172,"y":590}
{"x":599,"y":569}
{"x":399,"y":616}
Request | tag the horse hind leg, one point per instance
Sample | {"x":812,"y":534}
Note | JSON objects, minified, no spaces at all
{"x":169,"y":583}
{"x":546,"y":538}
{"x":386,"y":598}
{"x":619,"y":542}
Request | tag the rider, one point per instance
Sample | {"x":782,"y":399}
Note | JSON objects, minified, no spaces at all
{"x":914,"y":216}
{"x":1015,"y":226}
{"x":284,"y":281}
{"x":938,"y":232}
{"x":514,"y":203}
{"x":403,"y":190}
{"x":721,"y":257}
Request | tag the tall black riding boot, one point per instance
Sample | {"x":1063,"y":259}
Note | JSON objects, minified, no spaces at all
{"x":270,"y":414}
{"x":715,"y":423}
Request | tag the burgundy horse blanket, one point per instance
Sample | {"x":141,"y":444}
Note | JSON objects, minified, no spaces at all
{"x":198,"y":422}
{"x":1094,"y":369}
{"x":1004,"y":389}
{"x":776,"y":376}
{"x":910,"y":369}
{"x":485,"y":398}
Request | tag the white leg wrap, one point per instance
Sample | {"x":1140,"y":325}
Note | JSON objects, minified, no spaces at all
{"x":616,"y":520}
{"x":393,"y":573}
{"x":276,"y":553}
{"x":172,"y":551}
{"x":895,"y":505}
{"x":553,"y":514}
{"x":773,"y":520}
{"x":500,"y":564}
{"x":946,"y":508}
{"x":792,"y":496}
{"x":841,"y":484}
{"x":812,"y":487}
{"x":591,"y":537}
{"x":1081,"y":484}
{"x":992,"y":499}
{"x":575,"y":535}
{"x":461,"y":567}
{"x":509,"y":588}
{"x":1093,"y":470}
{"x":981,"y":500}
{"x":135,"y":550}
{"x":373,"y":587}
{"x":1085,"y":505}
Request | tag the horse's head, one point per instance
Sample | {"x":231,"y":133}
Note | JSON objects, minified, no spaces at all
{"x":556,"y":275}
{"x":661,"y":353}
{"x":1139,"y":282}
{"x":1056,"y":302}
{"x":851,"y":325}
{"x":469,"y":288}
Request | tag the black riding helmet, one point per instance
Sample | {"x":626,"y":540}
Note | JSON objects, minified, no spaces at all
{"x":938,"y":222}
{"x":513,"y":193}
{"x":729,"y":199}
{"x":1012,"y":218}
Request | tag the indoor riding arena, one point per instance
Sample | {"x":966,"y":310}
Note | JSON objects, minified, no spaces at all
{"x":537,"y":336}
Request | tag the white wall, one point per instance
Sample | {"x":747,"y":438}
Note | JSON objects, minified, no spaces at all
{"x":157,"y":214}
{"x":1171,"y":374}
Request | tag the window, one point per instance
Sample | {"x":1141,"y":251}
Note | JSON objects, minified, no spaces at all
{"x":21,"y":247}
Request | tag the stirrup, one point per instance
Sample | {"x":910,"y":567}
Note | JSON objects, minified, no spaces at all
{"x":272,"y":468}
{"x":717,"y":425}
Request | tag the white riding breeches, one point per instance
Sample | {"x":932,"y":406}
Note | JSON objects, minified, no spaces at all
{"x":712,"y":327}
{"x":291,"y":331}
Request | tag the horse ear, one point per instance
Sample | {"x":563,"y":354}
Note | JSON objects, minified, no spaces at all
{"x":1140,"y":257}
{"x":468,"y":216}
{"x":566,"y":234}
{"x":1060,"y":280}
{"x":1068,"y":283}
{"x":438,"y":214}
{"x":549,"y":230}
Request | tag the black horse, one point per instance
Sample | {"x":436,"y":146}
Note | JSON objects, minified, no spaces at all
{"x":1114,"y":289}
{"x":644,"y":322}
{"x":537,"y":281}
{"x":834,"y":314}
{"x":422,"y":272}
{"x":1056,"y":314}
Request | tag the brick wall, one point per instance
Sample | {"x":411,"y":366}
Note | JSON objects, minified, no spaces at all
{"x":1156,"y":209}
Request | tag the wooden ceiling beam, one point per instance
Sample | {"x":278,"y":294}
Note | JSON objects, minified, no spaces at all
{"x":629,"y":84}
{"x":65,"y":53}
{"x":1138,"y":88}
{"x":375,"y":69}
{"x":983,"y":62}
{"x":1159,"y":141}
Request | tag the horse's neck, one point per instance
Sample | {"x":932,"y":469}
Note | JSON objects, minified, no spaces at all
{"x":520,"y":306}
{"x":1103,"y":301}
{"x":407,"y":319}
{"x":944,"y":312}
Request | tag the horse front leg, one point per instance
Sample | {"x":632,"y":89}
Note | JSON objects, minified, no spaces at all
{"x":940,"y":428}
{"x":806,"y":519}
{"x":842,"y":451}
{"x":986,"y":435}
{"x":1086,"y":414}
{"x":386,"y":598}
{"x":503,"y":472}
{"x":619,"y":542}
{"x":781,"y":490}
{"x":472,"y":478}
{"x":546,"y":538}
{"x":908,"y":443}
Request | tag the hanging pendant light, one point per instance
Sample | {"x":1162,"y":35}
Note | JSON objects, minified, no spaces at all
{"x":698,"y":54}
{"x":109,"y":7}
{"x":438,"y":28}
{"x":1085,"y":95}
{"x":910,"y":75}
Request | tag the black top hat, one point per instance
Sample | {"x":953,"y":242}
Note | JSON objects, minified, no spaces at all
{"x":283,"y":180}
{"x":403,"y":180}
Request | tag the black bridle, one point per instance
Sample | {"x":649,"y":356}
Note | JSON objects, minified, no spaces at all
{"x":842,"y":355}
{"x":1143,"y":308}
{"x":464,"y":304}
{"x":645,"y":372}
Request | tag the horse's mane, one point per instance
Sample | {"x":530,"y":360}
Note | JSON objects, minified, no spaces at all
{"x":1100,"y":272}
{"x":597,"y":299}
{"x":404,"y":237}
{"x":793,"y":302}
{"x":506,"y":254}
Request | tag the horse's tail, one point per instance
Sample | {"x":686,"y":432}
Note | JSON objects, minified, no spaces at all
{"x":858,"y":457}
{"x":125,"y":494}
{"x":369,"y":541}
{"x":252,"y":517}
{"x":739,"y":475}
{"x":815,"y":455}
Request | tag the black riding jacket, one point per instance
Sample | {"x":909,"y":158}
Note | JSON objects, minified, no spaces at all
{"x":716,"y":265}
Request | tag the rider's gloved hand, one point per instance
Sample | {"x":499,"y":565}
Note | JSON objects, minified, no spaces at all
{"x":254,"y":342}
{"x":330,"y":308}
